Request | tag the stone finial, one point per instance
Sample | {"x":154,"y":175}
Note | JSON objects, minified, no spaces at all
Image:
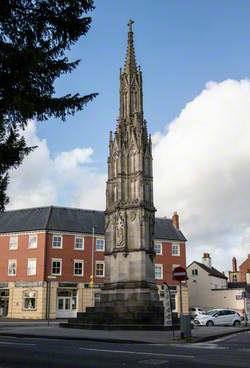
{"x":130,"y":62}
{"x":130,"y":23}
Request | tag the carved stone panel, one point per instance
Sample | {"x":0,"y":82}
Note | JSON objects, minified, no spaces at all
{"x":120,"y":231}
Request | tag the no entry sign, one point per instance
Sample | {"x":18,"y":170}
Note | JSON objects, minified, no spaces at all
{"x":179,"y":274}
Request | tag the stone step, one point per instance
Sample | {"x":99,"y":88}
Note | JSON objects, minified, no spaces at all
{"x":114,"y":318}
{"x":93,"y":326}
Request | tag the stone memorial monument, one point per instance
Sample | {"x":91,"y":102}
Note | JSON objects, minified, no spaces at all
{"x":129,"y":295}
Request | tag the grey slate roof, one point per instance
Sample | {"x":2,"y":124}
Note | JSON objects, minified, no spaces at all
{"x":212,"y":271}
{"x":72,"y":220}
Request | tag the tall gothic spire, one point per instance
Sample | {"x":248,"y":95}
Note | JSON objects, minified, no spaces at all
{"x":130,"y":62}
{"x":130,"y":83}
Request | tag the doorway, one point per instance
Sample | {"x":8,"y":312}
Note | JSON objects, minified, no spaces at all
{"x":4,"y":303}
{"x":66,"y":304}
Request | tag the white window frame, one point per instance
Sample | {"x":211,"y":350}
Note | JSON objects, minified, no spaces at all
{"x":9,"y":262}
{"x":160,"y":244}
{"x":161,"y":267}
{"x":56,"y":260}
{"x":178,"y":247}
{"x":79,"y":237}
{"x":33,"y":246}
{"x":78,"y":261}
{"x":195,"y":273}
{"x":57,"y":236}
{"x":28,"y":271}
{"x":100,"y":250}
{"x":100,"y":262}
{"x":16,"y":242}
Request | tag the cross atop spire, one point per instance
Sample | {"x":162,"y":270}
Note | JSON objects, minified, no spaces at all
{"x":130,"y":62}
{"x":130,"y":23}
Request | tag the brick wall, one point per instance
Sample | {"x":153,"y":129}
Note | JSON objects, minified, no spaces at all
{"x":168,"y":260}
{"x":244,"y":268}
{"x":21,"y":255}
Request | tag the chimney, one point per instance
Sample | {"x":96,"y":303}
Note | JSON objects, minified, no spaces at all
{"x":175,"y":220}
{"x":234,"y":264}
{"x":206,"y":260}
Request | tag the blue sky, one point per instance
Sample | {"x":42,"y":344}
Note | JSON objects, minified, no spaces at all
{"x":201,"y":152}
{"x":180,"y":45}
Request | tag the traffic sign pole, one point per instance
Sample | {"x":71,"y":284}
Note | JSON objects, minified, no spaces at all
{"x":181,"y":311}
{"x":180,"y":274}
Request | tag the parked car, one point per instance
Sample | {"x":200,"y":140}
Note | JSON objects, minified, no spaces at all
{"x":218,"y":317}
{"x":195,"y":311}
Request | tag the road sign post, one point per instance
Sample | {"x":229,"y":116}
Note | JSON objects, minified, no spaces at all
{"x":180,"y":274}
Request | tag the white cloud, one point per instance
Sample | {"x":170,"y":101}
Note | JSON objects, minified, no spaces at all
{"x":31,"y":184}
{"x":72,"y":159}
{"x":70,"y":179}
{"x":202,"y":170}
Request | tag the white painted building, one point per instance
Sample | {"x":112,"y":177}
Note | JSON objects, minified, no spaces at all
{"x":209,"y":289}
{"x":203,"y":279}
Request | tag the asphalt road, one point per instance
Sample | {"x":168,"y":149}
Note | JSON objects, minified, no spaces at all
{"x":229,"y":352}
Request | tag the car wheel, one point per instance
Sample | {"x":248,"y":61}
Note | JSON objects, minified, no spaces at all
{"x":236,"y":323}
{"x":209,"y":324}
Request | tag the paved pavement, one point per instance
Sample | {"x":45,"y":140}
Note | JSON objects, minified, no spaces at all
{"x":230,"y":352}
{"x":152,"y":337}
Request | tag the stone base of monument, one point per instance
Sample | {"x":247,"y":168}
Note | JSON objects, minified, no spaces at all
{"x":116,"y":315}
{"x":123,"y":305}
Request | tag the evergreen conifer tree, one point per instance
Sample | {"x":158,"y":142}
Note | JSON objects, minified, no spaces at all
{"x":34,"y":37}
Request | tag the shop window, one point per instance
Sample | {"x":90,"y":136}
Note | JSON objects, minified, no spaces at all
{"x":158,"y":271}
{"x":99,"y":269}
{"x":13,"y":243}
{"x":57,"y":241}
{"x":12,"y":266}
{"x":78,"y":267}
{"x":31,"y":267}
{"x":29,"y":300}
{"x":158,"y":248}
{"x":79,"y":243}
{"x":175,"y":249}
{"x":56,"y":266}
{"x":100,"y":245}
{"x":32,"y":241}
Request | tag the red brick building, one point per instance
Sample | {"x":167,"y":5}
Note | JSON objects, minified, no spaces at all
{"x":245,"y":270}
{"x":62,"y":248}
{"x":241,"y":274}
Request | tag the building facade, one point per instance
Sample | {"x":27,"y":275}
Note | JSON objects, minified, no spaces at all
{"x":55,"y":251}
{"x":245,"y":270}
{"x":211,"y":289}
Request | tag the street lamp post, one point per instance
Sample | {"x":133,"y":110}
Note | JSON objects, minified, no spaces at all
{"x":91,"y":284}
{"x":49,"y":278}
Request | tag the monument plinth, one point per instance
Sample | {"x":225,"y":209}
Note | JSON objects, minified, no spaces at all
{"x":129,"y":294}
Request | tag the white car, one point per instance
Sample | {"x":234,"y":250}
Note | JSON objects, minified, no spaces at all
{"x":218,"y":317}
{"x":195,"y":311}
